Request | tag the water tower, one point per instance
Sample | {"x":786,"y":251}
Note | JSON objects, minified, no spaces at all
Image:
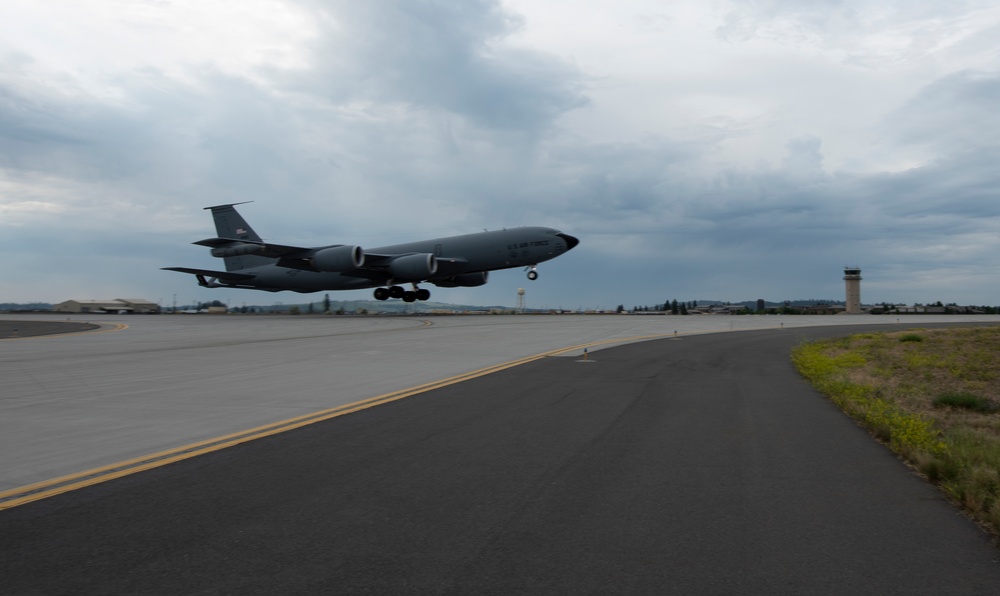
{"x":852,"y":279}
{"x":520,"y":300}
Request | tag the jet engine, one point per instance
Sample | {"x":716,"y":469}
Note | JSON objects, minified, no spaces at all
{"x":418,"y":266}
{"x":236,"y":249}
{"x":466,"y":280}
{"x":338,"y":258}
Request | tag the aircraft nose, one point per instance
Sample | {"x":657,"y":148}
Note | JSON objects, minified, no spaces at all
{"x":571,"y":241}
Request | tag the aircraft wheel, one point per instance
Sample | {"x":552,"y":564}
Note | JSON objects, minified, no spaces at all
{"x":423,"y":294}
{"x":409,"y":296}
{"x":396,"y":292}
{"x":532,"y":275}
{"x":381,"y":294}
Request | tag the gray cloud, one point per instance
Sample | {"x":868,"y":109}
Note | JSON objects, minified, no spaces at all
{"x":953,"y":114}
{"x":412,"y":119}
{"x":439,"y":56}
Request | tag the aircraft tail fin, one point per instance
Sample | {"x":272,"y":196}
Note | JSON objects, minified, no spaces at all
{"x":230,"y":224}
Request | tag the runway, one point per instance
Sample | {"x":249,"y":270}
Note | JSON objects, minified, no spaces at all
{"x":143,"y":385}
{"x":700,"y":464}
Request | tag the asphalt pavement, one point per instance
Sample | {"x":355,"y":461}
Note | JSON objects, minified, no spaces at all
{"x":698,"y":465}
{"x":16,"y":329}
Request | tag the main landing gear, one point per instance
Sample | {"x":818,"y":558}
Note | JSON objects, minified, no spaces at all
{"x":398,"y":292}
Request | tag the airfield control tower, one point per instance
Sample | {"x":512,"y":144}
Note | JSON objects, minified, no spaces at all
{"x":852,"y":279}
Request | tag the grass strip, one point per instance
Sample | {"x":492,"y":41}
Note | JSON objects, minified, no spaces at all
{"x":932,"y":396}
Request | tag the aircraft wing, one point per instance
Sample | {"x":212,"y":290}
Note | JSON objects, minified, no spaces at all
{"x":377,"y":264}
{"x":223,"y":275}
{"x":376,"y":261}
{"x":290,"y":257}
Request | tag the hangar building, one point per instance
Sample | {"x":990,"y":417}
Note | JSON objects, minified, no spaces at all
{"x":118,"y":306}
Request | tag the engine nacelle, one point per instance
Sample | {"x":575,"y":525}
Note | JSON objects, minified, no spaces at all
{"x":338,"y":258}
{"x":236,"y":249}
{"x":414,"y":267}
{"x":466,"y":280}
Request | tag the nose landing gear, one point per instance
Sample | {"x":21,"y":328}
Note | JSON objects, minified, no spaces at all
{"x":532,"y":272}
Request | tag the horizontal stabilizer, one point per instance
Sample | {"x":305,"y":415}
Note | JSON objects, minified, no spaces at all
{"x":271,"y":251}
{"x":219,"y":242}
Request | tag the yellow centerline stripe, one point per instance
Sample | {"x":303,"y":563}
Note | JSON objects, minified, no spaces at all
{"x":63,"y":484}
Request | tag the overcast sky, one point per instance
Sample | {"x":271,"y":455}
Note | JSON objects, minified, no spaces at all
{"x":699,"y":149}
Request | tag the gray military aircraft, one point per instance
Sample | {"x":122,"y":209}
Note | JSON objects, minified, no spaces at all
{"x":456,"y":261}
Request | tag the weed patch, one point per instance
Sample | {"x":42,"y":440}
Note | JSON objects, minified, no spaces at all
{"x":932,"y":397}
{"x":967,"y":401}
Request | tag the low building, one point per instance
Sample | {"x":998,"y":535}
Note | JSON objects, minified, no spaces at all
{"x":141,"y":306}
{"x":117,"y":306}
{"x":723,"y":309}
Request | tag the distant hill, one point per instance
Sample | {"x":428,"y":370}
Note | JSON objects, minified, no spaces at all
{"x":398,"y":306}
{"x":374,"y":306}
{"x":11,"y":306}
{"x":347,"y":306}
{"x":792,"y":303}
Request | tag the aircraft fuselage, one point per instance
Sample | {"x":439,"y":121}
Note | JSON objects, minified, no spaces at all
{"x":454,"y":255}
